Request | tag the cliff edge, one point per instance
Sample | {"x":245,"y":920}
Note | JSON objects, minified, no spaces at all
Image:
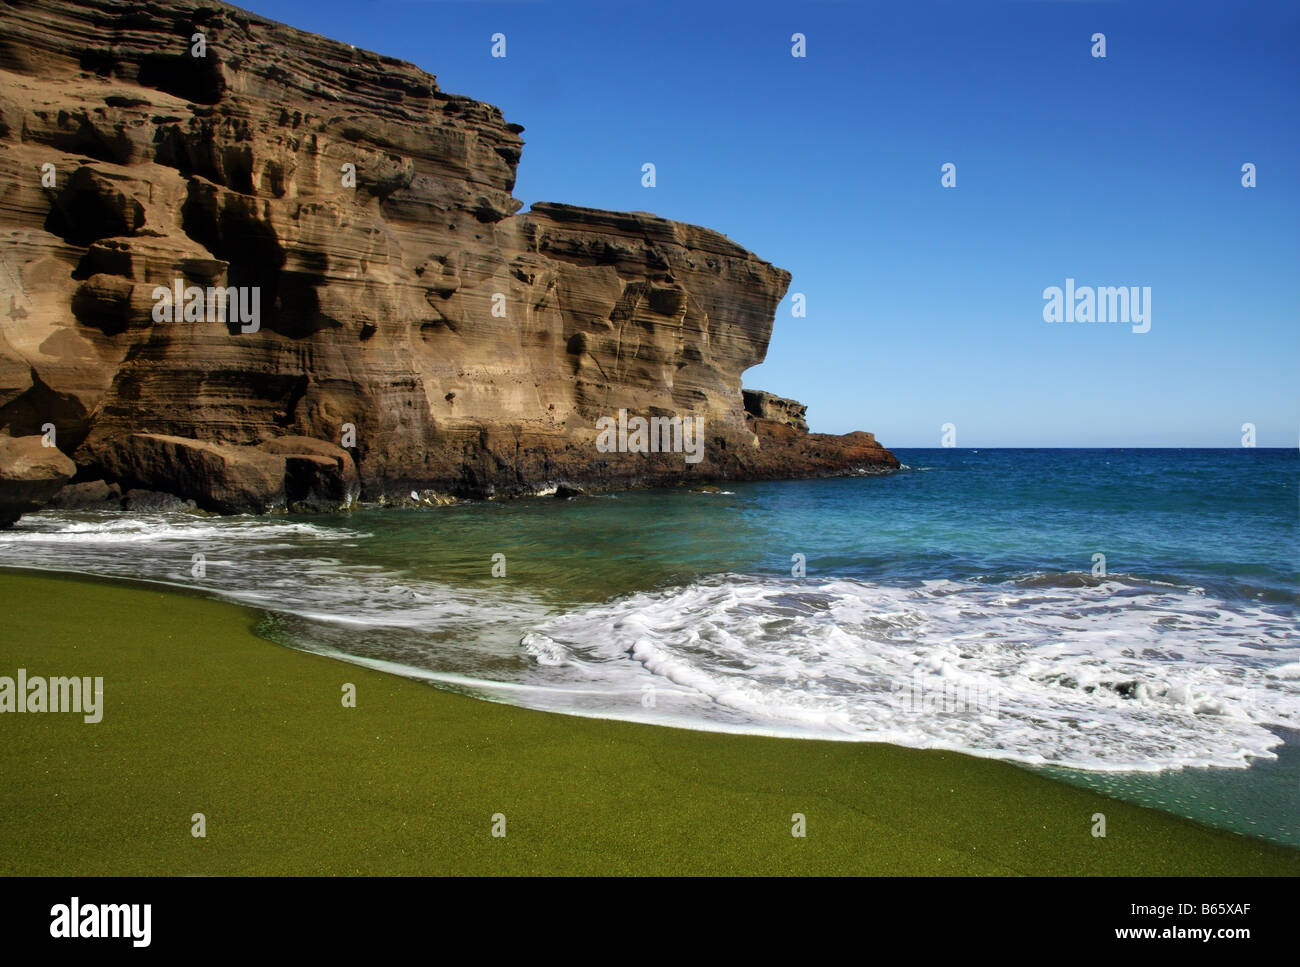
{"x":217,"y":231}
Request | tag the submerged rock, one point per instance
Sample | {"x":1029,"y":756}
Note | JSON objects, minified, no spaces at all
{"x":154,"y":502}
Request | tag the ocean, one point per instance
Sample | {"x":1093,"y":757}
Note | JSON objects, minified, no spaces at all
{"x":1121,"y":619}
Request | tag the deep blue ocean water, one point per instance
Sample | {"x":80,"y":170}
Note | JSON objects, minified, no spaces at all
{"x":960,"y":603}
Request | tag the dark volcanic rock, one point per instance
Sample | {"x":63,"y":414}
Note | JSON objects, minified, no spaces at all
{"x":291,"y":472}
{"x":226,"y":479}
{"x":153,"y":502}
{"x":407,"y":313}
{"x":88,"y":495}
{"x":318,"y":476}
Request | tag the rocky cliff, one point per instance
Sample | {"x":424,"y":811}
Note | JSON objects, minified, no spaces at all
{"x":400,"y":318}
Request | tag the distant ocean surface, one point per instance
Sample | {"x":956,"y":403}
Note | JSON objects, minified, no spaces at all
{"x":950,"y":605}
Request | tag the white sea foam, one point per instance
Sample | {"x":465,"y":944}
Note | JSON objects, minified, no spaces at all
{"x":116,"y":529}
{"x":543,"y":649}
{"x":1107,"y":677}
{"x":1099,"y":674}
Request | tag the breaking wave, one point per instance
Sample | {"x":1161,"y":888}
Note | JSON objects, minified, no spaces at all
{"x":1102,"y":674}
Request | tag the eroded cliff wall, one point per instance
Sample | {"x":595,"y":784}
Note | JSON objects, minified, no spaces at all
{"x":471,"y":349}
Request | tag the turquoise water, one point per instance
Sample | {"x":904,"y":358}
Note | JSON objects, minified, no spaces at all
{"x":1226,"y":519}
{"x":959,"y":603}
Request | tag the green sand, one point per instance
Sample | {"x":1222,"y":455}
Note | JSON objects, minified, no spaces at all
{"x":200,"y":715}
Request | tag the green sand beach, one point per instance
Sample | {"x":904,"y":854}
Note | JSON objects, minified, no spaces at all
{"x":202,"y":716}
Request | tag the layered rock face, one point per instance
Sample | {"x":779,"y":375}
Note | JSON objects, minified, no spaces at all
{"x":775,"y":409}
{"x":396,"y":305}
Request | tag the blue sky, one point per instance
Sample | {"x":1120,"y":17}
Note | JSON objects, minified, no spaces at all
{"x":924,"y":304}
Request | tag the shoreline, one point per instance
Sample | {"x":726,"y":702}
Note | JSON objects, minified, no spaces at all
{"x":202,"y":715}
{"x":487,"y":690}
